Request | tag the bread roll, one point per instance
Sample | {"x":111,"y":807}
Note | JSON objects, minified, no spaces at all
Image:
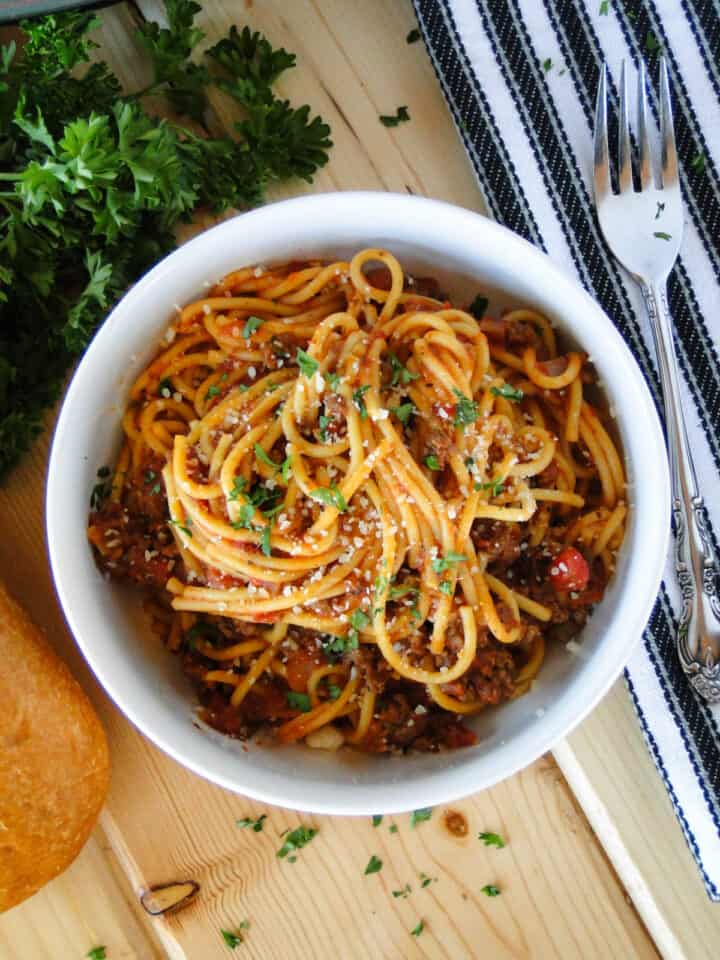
{"x":54,"y":767}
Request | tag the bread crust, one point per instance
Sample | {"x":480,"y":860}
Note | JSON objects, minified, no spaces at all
{"x":54,"y":763}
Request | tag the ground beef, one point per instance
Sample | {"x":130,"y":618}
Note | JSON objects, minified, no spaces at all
{"x":498,"y":541}
{"x":133,"y":546}
{"x":439,"y":440}
{"x":404,"y":721}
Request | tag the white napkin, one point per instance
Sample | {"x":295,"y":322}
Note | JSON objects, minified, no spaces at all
{"x":520,"y":78}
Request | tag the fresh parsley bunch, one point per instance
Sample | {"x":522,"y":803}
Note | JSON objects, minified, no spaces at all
{"x":91,"y":185}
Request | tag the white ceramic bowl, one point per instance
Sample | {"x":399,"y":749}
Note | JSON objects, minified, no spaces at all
{"x":467,"y":253}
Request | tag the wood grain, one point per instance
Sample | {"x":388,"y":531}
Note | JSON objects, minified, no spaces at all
{"x":560,"y":897}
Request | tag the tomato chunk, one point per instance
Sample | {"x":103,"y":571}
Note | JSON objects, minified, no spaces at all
{"x":569,"y":571}
{"x":300,"y":665}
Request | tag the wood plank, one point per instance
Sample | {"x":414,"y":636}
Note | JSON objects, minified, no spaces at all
{"x":608,"y":766}
{"x":559,"y":896}
{"x":83,"y":908}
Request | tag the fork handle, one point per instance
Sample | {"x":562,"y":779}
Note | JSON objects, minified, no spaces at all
{"x":696,"y":565}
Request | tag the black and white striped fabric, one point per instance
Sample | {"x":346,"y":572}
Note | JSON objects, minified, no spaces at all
{"x":520,"y":78}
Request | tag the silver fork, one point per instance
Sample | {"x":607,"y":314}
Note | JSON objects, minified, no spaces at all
{"x":644,"y":231}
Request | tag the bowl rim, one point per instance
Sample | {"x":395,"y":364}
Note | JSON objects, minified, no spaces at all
{"x":437,"y":787}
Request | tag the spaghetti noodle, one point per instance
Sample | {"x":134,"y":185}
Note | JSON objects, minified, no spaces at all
{"x":360,"y":506}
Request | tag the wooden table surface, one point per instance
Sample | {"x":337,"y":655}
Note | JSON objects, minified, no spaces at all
{"x":560,"y":895}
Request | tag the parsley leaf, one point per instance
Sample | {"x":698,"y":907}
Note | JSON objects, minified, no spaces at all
{"x":403,"y":891}
{"x":234,"y":938}
{"x":377,"y":820}
{"x":652,"y":44}
{"x":403,"y":412}
{"x":402,"y":590}
{"x":492,"y":840}
{"x":97,"y":953}
{"x":698,"y":162}
{"x":446,"y":587}
{"x":660,"y":208}
{"x":490,"y":890}
{"x":507,"y":392}
{"x":547,"y":65}
{"x":358,"y":400}
{"x":432,"y":462}
{"x":466,"y":411}
{"x":257,"y":825}
{"x":299,"y":701}
{"x":337,"y":646}
{"x":393,"y":828}
{"x":296,"y":839}
{"x":604,"y":8}
{"x":332,"y":497}
{"x":359,"y":619}
{"x":324,"y":422}
{"x":413,"y":36}
{"x":212,"y":391}
{"x":416,"y":931}
{"x":662,"y":236}
{"x":265,"y":540}
{"x":334,"y":691}
{"x":263,"y":457}
{"x":374,"y":865}
{"x":251,"y":325}
{"x":496,"y":487}
{"x":419,"y":816}
{"x":400,"y":373}
{"x":441,"y":564}
{"x":308,"y":365}
{"x":185,"y":527}
{"x":401,"y":116}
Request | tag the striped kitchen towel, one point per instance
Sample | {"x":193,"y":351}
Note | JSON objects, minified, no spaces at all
{"x":520,"y":78}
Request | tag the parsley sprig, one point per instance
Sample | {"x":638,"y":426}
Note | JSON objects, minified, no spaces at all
{"x":94,"y":184}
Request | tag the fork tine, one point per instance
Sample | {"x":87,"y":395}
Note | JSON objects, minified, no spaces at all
{"x":644,"y":155}
{"x":624,"y":155}
{"x":601,"y":163}
{"x":667,"y":131}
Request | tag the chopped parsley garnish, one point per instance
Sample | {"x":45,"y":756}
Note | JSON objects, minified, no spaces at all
{"x":183,"y":526}
{"x":257,"y":825}
{"x":490,"y":890}
{"x":358,"y":400}
{"x":377,"y":820}
{"x":213,"y":391}
{"x":492,"y":840}
{"x":307,"y":364}
{"x":374,"y":865}
{"x":165,"y":387}
{"x":97,"y":953}
{"x":662,"y":236}
{"x":337,"y":646}
{"x":381,"y":583}
{"x":413,"y":36}
{"x":466,"y":411}
{"x":698,"y":162}
{"x":660,"y":208}
{"x":403,"y":412}
{"x":101,"y":491}
{"x":263,"y":456}
{"x":265,"y":537}
{"x":400,"y":373}
{"x":332,"y":497}
{"x":604,"y":8}
{"x":245,"y":515}
{"x":432,"y":462}
{"x":332,"y":379}
{"x":402,"y":590}
{"x":416,"y":931}
{"x":324,"y":422}
{"x":426,"y":880}
{"x":478,"y":307}
{"x":446,"y":587}
{"x":155,"y":489}
{"x":652,"y":44}
{"x":496,"y":487}
{"x":441,"y":564}
{"x":149,"y":476}
{"x":299,"y":701}
{"x":238,"y":489}
{"x":547,"y":65}
{"x":401,"y":116}
{"x":359,"y":619}
{"x":251,"y":325}
{"x":403,"y":891}
{"x":334,"y":691}
{"x":419,"y":816}
{"x":507,"y":392}
{"x":234,"y":938}
{"x":286,"y":469}
{"x":296,"y":839}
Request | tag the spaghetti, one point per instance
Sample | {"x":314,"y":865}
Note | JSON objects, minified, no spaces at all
{"x":360,"y":508}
